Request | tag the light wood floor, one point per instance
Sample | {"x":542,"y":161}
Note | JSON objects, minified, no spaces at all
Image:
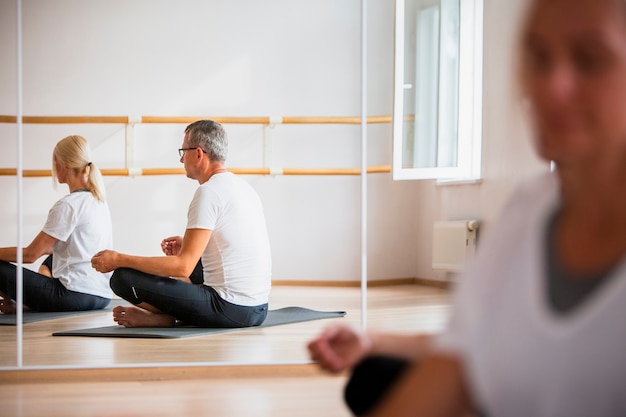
{"x":121,"y":377}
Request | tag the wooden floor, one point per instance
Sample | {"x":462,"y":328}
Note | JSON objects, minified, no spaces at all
{"x":123,"y":377}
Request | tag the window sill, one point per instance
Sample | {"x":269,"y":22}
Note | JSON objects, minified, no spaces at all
{"x":458,"y":181}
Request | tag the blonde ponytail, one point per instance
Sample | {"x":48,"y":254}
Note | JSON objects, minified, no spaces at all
{"x":74,"y":152}
{"x":95,"y":183}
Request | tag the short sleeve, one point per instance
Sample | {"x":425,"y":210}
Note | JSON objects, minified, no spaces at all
{"x":61,"y":221}
{"x":204,"y":210}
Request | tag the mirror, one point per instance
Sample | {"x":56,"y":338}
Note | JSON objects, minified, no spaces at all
{"x":8,"y":138}
{"x":186,"y":58}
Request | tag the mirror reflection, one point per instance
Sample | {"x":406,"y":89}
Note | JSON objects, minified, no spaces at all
{"x":8,"y":100}
{"x":145,"y":58}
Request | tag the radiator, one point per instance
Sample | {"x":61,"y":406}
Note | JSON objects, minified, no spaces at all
{"x":454,"y":242}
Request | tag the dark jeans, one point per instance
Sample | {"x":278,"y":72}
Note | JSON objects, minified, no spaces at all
{"x":42,"y":293}
{"x":370,"y":381}
{"x":192,"y":303}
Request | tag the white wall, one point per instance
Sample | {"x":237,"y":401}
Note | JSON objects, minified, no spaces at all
{"x":246,"y":58}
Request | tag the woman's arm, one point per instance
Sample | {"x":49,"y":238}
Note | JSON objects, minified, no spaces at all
{"x":340,"y":347}
{"x":404,"y":346}
{"x":433,"y":387}
{"x":41,"y":245}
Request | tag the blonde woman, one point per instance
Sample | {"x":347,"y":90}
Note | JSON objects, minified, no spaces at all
{"x":78,"y":225}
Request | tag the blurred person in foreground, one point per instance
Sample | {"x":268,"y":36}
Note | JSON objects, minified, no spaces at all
{"x":537,"y":326}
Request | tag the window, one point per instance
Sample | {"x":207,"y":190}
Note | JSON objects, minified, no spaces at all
{"x":437,"y":89}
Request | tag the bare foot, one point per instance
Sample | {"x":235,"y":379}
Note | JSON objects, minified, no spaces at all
{"x":130,"y":316}
{"x":7,"y":306}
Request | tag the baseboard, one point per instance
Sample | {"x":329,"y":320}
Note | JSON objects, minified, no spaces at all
{"x":434,"y":283}
{"x":371,"y":283}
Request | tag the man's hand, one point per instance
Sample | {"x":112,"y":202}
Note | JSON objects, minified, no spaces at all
{"x":171,"y":245}
{"x":105,"y":261}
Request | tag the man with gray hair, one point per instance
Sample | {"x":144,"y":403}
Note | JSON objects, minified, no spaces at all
{"x":226,"y":230}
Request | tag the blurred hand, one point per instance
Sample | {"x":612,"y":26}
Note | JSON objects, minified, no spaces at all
{"x":339,"y":348}
{"x":171,"y":245}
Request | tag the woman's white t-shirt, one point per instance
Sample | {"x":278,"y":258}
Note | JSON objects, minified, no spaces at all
{"x":82,"y":226}
{"x":522,"y":358}
{"x":237,"y":260}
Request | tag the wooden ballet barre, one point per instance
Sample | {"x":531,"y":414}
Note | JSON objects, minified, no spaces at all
{"x":67,"y":119}
{"x":26,"y":172}
{"x":123,"y":172}
{"x":335,"y":171}
{"x":189,"y":119}
{"x":335,"y":120}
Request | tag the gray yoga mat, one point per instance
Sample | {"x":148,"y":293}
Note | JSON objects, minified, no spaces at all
{"x":35,"y":316}
{"x":277,"y":317}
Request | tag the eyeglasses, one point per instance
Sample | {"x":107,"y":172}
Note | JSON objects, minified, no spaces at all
{"x":181,"y":151}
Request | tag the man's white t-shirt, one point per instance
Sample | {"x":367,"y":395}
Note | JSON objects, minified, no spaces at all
{"x":82,"y":226}
{"x":522,"y":358}
{"x":237,"y":260}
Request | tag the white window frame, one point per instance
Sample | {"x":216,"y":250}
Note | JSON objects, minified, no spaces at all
{"x":468,"y":166}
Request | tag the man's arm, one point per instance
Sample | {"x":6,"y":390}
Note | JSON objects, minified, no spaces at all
{"x":180,"y":265}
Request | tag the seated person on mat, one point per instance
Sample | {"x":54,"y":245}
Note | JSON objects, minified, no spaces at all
{"x":78,"y":225}
{"x":538,"y":319}
{"x":225,"y":229}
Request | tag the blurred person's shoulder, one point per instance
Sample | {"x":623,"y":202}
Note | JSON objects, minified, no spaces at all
{"x":538,"y":188}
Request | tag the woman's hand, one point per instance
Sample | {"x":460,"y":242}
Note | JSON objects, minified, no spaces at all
{"x":339,"y":348}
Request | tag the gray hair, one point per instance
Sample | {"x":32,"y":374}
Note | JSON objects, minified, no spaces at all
{"x":211,"y":137}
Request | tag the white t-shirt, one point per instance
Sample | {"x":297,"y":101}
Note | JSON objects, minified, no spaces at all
{"x":237,"y":260}
{"x":82,"y":225}
{"x":521,"y":358}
